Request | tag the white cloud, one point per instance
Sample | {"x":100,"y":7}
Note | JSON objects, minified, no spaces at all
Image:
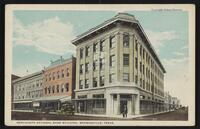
{"x":184,"y":47}
{"x":178,"y":53}
{"x":50,"y":35}
{"x":158,"y":39}
{"x":23,"y":70}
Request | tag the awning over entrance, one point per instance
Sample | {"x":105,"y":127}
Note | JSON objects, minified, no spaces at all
{"x":53,"y":98}
{"x":26,"y":101}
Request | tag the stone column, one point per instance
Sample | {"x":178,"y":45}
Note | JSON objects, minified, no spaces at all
{"x":107,"y":60}
{"x":118,"y":104}
{"x":118,"y":49}
{"x":108,"y":104}
{"x":121,"y":66}
{"x":133,"y":104}
{"x":91,"y":54}
{"x":131,"y":63}
{"x":77,"y":68}
{"x":75,"y":106}
{"x":137,"y":104}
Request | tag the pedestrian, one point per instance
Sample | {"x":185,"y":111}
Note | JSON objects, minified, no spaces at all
{"x":125,"y":111}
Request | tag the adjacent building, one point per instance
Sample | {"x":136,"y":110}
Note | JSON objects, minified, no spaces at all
{"x":117,"y":67}
{"x":175,"y":103}
{"x":168,"y":101}
{"x":58,"y":84}
{"x":26,"y":89}
{"x":13,"y":77}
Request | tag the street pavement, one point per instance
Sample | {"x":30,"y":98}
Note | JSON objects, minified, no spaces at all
{"x":180,"y":114}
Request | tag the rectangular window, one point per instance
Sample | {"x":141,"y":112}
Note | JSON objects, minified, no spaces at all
{"x":81,"y":69}
{"x":112,"y":60}
{"x":49,"y":89}
{"x":146,"y":72}
{"x":95,"y":47}
{"x":87,"y":50}
{"x":67,"y":72}
{"x":81,"y":84}
{"x":112,"y":41}
{"x":102,"y":45}
{"x":102,"y":80}
{"x":95,"y":82}
{"x":141,"y":50}
{"x":126,"y":77}
{"x":126,"y":59}
{"x":141,"y":67}
{"x":57,"y":89}
{"x":136,"y":62}
{"x":140,"y":82}
{"x":126,"y":40}
{"x":63,"y":73}
{"x":146,"y":57}
{"x":86,"y":67}
{"x":67,"y":87}
{"x":102,"y":63}
{"x":112,"y":78}
{"x":95,"y":65}
{"x":143,"y":53}
{"x":98,"y":103}
{"x":143,"y":84}
{"x":81,"y":53}
{"x":136,"y":46}
{"x":136,"y":79}
{"x":86,"y":83}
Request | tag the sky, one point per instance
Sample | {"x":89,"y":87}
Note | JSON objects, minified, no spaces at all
{"x":40,"y":36}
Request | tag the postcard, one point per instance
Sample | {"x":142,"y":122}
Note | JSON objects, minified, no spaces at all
{"x":100,"y":65}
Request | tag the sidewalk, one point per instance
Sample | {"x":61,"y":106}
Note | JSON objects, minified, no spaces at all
{"x":119,"y":116}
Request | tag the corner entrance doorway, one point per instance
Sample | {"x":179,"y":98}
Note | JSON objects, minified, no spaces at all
{"x":123,"y":103}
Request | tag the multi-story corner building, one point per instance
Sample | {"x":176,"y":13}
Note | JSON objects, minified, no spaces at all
{"x":26,"y":89}
{"x":59,"y":83}
{"x":117,"y":67}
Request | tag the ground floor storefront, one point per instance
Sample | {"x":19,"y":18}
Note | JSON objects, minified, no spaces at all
{"x":116,"y":101}
{"x":22,"y":105}
{"x":108,"y":101}
{"x":150,"y":107}
{"x":50,"y":103}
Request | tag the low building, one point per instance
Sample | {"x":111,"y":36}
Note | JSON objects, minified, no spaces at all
{"x":168,"y":100}
{"x":59,"y":83}
{"x":26,"y":89}
{"x":13,"y":77}
{"x":175,"y":103}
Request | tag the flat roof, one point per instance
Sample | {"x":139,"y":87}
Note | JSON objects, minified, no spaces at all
{"x":59,"y":62}
{"x":27,"y":76}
